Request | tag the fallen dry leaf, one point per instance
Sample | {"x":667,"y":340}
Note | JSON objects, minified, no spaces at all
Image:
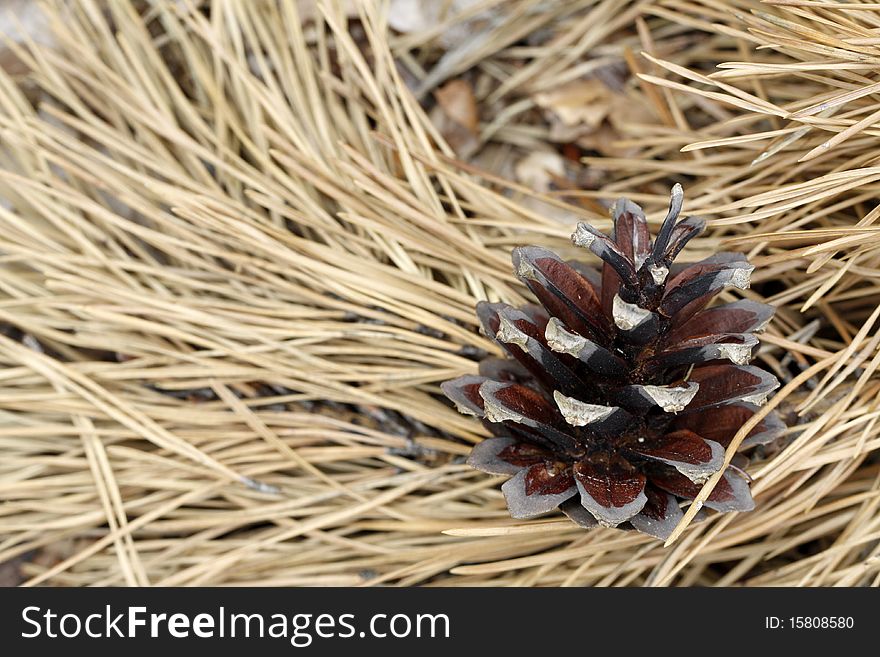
{"x":584,"y":102}
{"x":538,"y":169}
{"x":627,"y":110}
{"x":605,"y":141}
{"x":462,"y":140}
{"x":456,"y":98}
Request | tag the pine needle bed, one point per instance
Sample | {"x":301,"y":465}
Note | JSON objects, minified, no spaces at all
{"x":241,"y":244}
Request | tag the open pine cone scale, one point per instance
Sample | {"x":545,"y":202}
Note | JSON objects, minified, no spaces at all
{"x":622,"y":390}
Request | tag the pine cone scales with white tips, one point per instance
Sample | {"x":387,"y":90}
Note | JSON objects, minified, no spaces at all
{"x":622,"y":389}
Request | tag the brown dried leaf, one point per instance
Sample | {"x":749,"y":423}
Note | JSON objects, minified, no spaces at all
{"x":456,"y":98}
{"x":582,"y":102}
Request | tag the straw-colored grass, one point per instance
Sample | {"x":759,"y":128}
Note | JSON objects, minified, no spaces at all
{"x":241,"y":243}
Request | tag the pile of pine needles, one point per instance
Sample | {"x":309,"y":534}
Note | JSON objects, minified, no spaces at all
{"x":241,"y":244}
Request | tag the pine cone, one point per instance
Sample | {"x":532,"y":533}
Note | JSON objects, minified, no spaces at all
{"x":622,"y":390}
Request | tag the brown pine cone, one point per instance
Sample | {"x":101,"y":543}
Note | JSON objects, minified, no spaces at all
{"x":623,"y":389}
